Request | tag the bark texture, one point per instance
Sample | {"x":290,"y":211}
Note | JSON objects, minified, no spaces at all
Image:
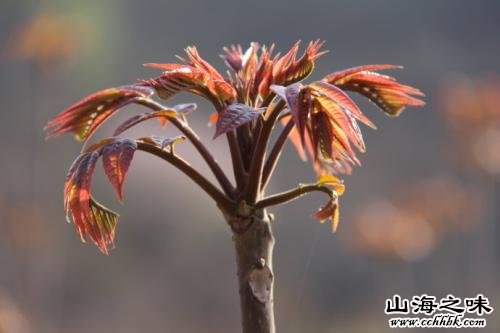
{"x":254,"y":242}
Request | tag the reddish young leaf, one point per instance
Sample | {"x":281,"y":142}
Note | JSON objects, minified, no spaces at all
{"x":91,"y":218}
{"x":216,"y":83}
{"x":329,"y":140}
{"x":322,"y":136}
{"x":223,"y":90}
{"x":166,"y":67}
{"x":184,"y":78}
{"x":234,"y":116}
{"x":250,"y":61}
{"x":342,"y":99}
{"x":324,"y":212}
{"x":249,"y":69}
{"x":389,"y":95}
{"x":329,"y":211}
{"x":263,"y":74}
{"x":195,"y":60}
{"x":84,"y":117}
{"x":339,"y":76}
{"x":297,"y":70}
{"x":376,"y":79}
{"x":342,"y":118}
{"x":77,"y":199}
{"x":69,"y":182}
{"x":195,"y":75}
{"x":116,"y":158}
{"x":106,"y":220}
{"x":212,"y":119}
{"x":343,"y":140}
{"x":282,"y":63}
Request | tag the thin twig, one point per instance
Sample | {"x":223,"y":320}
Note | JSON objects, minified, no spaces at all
{"x":220,"y":198}
{"x":195,"y":140}
{"x":274,"y":156}
{"x":237,"y":160}
{"x":258,"y":156}
{"x":292,"y":194}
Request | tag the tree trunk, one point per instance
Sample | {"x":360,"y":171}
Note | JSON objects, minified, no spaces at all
{"x":254,"y":242}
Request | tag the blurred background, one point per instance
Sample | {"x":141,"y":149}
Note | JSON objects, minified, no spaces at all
{"x":420,"y":216}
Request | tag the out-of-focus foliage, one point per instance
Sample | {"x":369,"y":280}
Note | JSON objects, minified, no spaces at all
{"x":47,"y":39}
{"x":419,"y":216}
{"x":12,"y":320}
{"x":471,"y":108}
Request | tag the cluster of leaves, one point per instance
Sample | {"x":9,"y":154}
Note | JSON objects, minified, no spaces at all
{"x":90,"y":217}
{"x":260,"y":88}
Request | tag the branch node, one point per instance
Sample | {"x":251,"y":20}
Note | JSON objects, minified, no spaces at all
{"x":261,"y":263}
{"x":244,"y":209}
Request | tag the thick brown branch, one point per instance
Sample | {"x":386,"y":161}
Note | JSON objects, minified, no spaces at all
{"x":195,"y":140}
{"x":255,"y":174}
{"x":274,"y":156}
{"x":254,"y":258}
{"x":292,"y":194}
{"x":222,"y":200}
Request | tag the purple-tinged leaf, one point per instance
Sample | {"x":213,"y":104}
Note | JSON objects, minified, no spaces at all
{"x":185,"y":108}
{"x":234,"y":116}
{"x":298,"y":101}
{"x":116,"y":158}
{"x":233,"y":57}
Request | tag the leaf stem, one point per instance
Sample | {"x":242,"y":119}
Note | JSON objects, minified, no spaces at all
{"x":292,"y":194}
{"x":255,"y":175}
{"x":237,"y":160}
{"x":220,"y":198}
{"x":195,"y":140}
{"x":274,"y":156}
